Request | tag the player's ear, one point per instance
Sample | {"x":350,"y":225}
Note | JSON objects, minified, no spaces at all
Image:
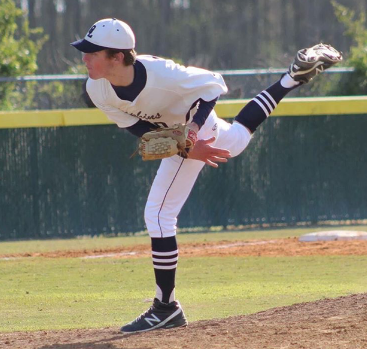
{"x":119,"y":57}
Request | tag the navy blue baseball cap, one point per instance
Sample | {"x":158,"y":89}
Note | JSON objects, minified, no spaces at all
{"x":106,"y":33}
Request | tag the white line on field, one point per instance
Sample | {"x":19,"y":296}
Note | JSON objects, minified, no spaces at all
{"x":107,"y":255}
{"x":122,"y":254}
{"x":246,"y":244}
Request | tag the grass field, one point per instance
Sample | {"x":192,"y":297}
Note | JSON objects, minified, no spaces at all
{"x":55,"y":293}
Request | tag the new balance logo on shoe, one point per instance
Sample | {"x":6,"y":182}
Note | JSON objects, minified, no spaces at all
{"x":151,"y":321}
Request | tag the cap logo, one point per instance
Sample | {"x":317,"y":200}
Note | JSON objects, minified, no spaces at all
{"x":91,"y":31}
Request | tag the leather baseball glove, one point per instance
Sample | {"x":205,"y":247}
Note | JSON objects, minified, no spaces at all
{"x":166,"y":142}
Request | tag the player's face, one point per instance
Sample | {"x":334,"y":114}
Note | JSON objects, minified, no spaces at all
{"x":98,"y":65}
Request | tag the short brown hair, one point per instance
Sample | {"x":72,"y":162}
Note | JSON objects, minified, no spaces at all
{"x":129,"y":55}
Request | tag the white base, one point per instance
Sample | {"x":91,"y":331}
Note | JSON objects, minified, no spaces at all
{"x":334,"y":235}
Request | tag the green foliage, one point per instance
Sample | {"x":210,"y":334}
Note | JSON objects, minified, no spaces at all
{"x":355,"y":83}
{"x":18,"y":55}
{"x":60,"y":94}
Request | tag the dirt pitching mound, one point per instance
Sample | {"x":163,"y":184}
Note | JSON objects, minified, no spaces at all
{"x":326,"y":324}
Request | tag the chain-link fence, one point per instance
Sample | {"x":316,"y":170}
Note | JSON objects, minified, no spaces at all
{"x":67,"y":181}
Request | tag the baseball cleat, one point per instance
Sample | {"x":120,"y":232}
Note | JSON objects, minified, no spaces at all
{"x":312,"y":61}
{"x":159,"y":315}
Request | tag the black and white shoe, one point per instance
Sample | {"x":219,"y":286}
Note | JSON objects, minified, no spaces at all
{"x":314,"y":60}
{"x":159,"y":315}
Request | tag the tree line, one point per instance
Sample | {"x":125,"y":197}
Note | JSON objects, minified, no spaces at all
{"x":215,"y":34}
{"x":232,"y":34}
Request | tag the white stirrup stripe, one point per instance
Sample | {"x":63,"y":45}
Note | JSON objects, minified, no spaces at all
{"x":262,"y":106}
{"x":270,"y":97}
{"x":267,"y":102}
{"x":165,"y":267}
{"x":163,"y":254}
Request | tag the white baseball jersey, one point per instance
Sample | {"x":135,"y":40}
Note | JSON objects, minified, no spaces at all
{"x":169,"y":93}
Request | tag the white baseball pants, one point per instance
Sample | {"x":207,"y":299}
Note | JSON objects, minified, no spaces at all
{"x":176,"y":176}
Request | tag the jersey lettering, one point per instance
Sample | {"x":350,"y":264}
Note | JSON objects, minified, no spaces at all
{"x":142,"y":116}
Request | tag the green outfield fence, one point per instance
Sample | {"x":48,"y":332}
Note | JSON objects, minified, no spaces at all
{"x":68,"y":172}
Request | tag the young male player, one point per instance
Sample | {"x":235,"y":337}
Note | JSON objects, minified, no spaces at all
{"x":141,"y":93}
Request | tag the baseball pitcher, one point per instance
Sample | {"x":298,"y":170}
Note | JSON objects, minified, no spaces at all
{"x":171,"y":109}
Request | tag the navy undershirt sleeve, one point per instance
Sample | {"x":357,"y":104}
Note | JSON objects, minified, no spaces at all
{"x":204,"y":109}
{"x":141,"y":127}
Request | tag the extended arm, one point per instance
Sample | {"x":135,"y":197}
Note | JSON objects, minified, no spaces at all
{"x":140,"y":128}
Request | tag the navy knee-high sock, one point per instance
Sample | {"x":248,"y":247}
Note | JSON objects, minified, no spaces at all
{"x":165,"y":257}
{"x":259,"y":108}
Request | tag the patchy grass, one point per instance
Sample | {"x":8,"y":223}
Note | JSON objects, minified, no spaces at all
{"x":63,"y":293}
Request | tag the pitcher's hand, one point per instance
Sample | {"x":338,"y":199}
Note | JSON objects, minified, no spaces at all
{"x":203,"y":151}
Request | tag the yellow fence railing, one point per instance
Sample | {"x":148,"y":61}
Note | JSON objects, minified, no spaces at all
{"x":225,"y":109}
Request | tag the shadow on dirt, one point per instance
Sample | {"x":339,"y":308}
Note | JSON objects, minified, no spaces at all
{"x":100,"y":344}
{"x":87,"y":346}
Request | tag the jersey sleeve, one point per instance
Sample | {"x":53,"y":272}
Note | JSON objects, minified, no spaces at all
{"x":195,"y":83}
{"x":116,"y":115}
{"x":191,"y":83}
{"x":122,"y":119}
